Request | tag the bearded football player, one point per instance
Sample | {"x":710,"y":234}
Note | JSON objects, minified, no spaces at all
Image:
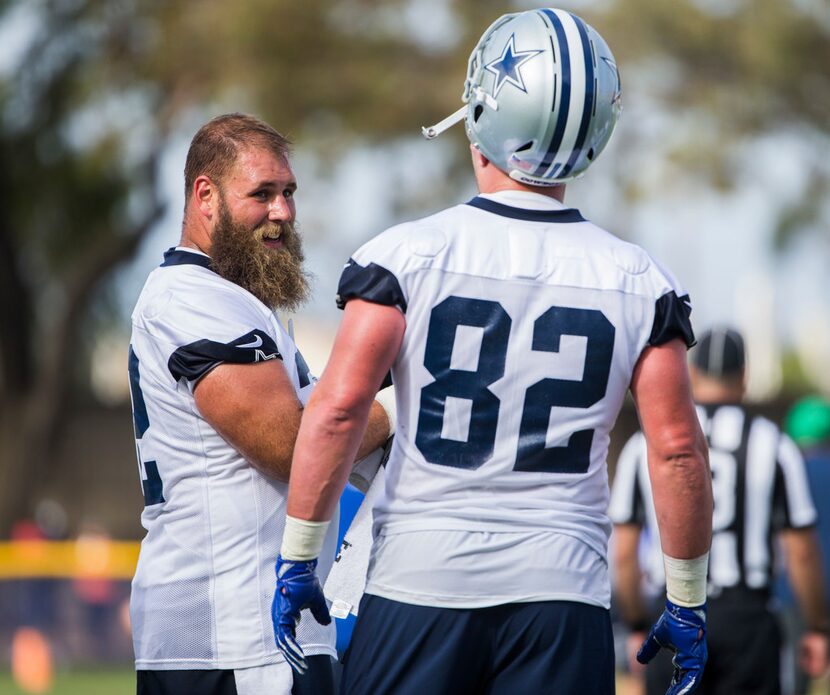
{"x":218,"y":389}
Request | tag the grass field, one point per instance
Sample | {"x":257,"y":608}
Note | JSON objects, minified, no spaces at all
{"x":98,"y":682}
{"x":123,"y":683}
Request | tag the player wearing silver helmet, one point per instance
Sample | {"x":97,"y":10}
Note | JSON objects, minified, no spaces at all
{"x":564,"y":105}
{"x":513,"y":329}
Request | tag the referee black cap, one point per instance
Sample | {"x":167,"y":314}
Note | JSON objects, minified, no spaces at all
{"x":720,"y":353}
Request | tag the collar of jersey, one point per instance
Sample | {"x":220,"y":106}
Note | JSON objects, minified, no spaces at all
{"x":180,"y":256}
{"x":559,"y":216}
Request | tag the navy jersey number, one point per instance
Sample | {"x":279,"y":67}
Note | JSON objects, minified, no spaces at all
{"x":460,"y":383}
{"x":151,"y":485}
{"x":548,"y":329}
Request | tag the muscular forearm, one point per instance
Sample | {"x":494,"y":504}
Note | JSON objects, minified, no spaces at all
{"x":256,"y":410}
{"x":270,"y":453}
{"x":682,"y":489}
{"x":677,"y":452}
{"x":326,"y":448}
{"x":338,"y":412}
{"x":806,"y":576}
{"x":377,"y":430}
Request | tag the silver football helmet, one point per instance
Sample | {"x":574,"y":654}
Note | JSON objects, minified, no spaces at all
{"x":542,"y":96}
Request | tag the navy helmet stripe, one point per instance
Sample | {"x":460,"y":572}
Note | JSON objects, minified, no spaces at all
{"x":589,"y":97}
{"x":565,"y":102}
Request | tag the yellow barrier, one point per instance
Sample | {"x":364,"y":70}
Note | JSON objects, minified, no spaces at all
{"x":93,"y":558}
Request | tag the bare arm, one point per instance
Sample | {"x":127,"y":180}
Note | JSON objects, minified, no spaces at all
{"x":681,"y":486}
{"x":627,"y":574}
{"x":256,"y":410}
{"x":336,"y":417}
{"x":678,"y":457}
{"x":803,"y":555}
{"x":377,"y":430}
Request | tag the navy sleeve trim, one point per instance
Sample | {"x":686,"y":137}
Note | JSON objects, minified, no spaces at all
{"x":374,"y":283}
{"x":195,"y":360}
{"x":671,"y":320}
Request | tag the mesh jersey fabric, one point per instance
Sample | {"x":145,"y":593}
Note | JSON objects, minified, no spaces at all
{"x":204,"y":582}
{"x":524,"y":323}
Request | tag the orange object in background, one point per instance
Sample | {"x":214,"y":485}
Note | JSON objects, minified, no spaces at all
{"x":31,"y":661}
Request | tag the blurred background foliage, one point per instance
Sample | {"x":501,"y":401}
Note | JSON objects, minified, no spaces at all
{"x":94,"y":92}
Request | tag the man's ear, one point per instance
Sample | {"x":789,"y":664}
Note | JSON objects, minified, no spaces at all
{"x":205,"y":196}
{"x":479,"y":160}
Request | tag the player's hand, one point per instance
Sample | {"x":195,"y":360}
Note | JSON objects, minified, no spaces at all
{"x":683,"y":631}
{"x":297,"y":588}
{"x":813,"y":653}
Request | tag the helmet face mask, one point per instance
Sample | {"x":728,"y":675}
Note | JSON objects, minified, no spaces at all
{"x":542,"y":94}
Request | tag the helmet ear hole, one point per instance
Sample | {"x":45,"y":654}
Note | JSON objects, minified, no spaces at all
{"x":591,"y":155}
{"x":477,"y":111}
{"x":525,"y":147}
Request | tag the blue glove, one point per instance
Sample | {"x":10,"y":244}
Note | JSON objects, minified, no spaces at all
{"x":297,"y":588}
{"x":683,"y":630}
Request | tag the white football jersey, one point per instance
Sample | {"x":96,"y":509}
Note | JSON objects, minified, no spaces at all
{"x":201,"y":596}
{"x":524,"y":323}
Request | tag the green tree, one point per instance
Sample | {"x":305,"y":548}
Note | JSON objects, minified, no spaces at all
{"x":742,"y":70}
{"x":98,"y":92}
{"x":74,"y":203}
{"x":103,"y":87}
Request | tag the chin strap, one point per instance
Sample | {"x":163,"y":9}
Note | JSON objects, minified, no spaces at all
{"x":435,"y":130}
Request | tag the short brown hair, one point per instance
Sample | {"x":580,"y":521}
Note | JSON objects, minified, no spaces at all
{"x":216,"y":145}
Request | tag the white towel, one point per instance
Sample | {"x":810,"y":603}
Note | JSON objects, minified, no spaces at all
{"x":366,"y":469}
{"x":347,"y":579}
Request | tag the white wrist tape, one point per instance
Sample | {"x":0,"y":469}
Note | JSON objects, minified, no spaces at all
{"x":386,"y":399}
{"x":303,"y":540}
{"x":686,"y":580}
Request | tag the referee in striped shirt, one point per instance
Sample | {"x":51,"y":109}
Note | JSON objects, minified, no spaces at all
{"x":760,"y":493}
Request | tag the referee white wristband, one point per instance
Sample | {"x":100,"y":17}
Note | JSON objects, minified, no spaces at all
{"x":686,"y":580}
{"x":303,"y":540}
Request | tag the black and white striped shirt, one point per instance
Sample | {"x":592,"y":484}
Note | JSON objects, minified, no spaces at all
{"x":760,"y":487}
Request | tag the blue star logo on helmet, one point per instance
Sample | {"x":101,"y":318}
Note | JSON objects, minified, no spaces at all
{"x":507,"y":68}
